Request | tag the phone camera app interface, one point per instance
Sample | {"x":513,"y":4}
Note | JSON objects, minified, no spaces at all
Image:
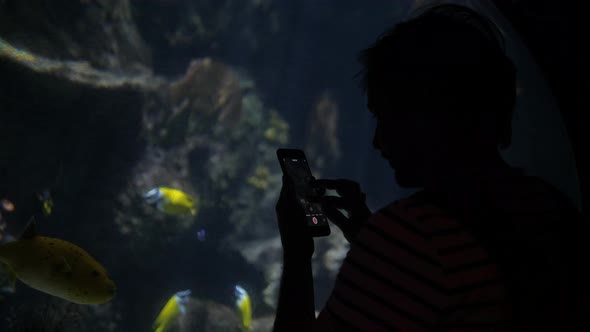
{"x":299,"y":172}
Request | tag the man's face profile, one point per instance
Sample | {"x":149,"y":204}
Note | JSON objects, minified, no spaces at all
{"x":399,"y":137}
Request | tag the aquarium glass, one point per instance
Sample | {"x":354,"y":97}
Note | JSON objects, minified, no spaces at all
{"x":139,"y":138}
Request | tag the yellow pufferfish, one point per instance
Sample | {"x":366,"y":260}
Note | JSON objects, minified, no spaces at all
{"x":171,"y":201}
{"x":174,"y":308}
{"x":56,"y":267}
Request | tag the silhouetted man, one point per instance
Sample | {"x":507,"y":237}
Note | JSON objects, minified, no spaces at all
{"x":482,"y":247}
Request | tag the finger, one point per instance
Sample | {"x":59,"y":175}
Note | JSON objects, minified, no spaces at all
{"x":318,"y":191}
{"x":344,"y":202}
{"x":343,"y":187}
{"x":348,"y":188}
{"x":325,"y":183}
{"x":336,"y":202}
{"x":336,"y":217}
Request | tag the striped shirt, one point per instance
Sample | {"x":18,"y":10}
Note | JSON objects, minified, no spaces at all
{"x":415,"y":267}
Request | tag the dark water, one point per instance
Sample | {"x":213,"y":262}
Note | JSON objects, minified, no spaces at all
{"x":101,"y":101}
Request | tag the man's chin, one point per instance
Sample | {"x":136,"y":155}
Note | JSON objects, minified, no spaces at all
{"x":407,"y":179}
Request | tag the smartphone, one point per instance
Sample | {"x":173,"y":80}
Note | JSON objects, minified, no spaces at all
{"x":294,"y":164}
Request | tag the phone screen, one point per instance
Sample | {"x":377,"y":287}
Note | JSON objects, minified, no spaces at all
{"x":298,"y":170}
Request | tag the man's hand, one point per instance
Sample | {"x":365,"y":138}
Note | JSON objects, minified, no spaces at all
{"x":351,"y":199}
{"x":295,"y":237}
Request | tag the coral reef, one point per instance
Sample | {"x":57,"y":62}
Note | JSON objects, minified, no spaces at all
{"x":181,"y":30}
{"x":49,"y":319}
{"x":263,"y":324}
{"x":76,"y":71}
{"x":260,"y":179}
{"x":101,"y":32}
{"x":208,"y":87}
{"x":322,"y":145}
{"x":278,"y":131}
{"x":208,"y":316}
{"x":100,"y":129}
{"x":52,"y":315}
{"x":205,"y":136}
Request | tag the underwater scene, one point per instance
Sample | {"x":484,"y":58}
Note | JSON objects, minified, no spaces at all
{"x":138,"y":169}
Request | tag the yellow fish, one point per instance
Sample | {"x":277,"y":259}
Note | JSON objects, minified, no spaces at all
{"x":244,"y":307}
{"x":174,"y":308}
{"x":46,"y":202}
{"x":56,"y":267}
{"x":171,"y":201}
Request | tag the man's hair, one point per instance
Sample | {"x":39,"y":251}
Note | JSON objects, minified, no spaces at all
{"x":448,"y":58}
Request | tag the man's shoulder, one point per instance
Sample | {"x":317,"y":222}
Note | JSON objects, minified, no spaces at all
{"x":530,"y":193}
{"x":416,"y":214}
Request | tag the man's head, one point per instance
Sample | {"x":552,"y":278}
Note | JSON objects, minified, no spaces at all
{"x":441,"y":88}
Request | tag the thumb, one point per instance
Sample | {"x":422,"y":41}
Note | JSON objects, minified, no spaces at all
{"x":338,"y":218}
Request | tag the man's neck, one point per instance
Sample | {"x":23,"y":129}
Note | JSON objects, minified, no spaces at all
{"x":466,"y":171}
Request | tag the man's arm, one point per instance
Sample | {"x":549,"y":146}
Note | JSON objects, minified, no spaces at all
{"x":296,"y":307}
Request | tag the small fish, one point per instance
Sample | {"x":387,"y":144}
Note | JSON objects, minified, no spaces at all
{"x":56,"y":267}
{"x":244,"y":307}
{"x":171,"y":201}
{"x":174,"y":308}
{"x":4,"y":236}
{"x":7,"y":205}
{"x":201,"y":234}
{"x":46,"y":202}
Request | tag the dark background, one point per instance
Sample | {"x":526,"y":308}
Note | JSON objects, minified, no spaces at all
{"x":314,"y":50}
